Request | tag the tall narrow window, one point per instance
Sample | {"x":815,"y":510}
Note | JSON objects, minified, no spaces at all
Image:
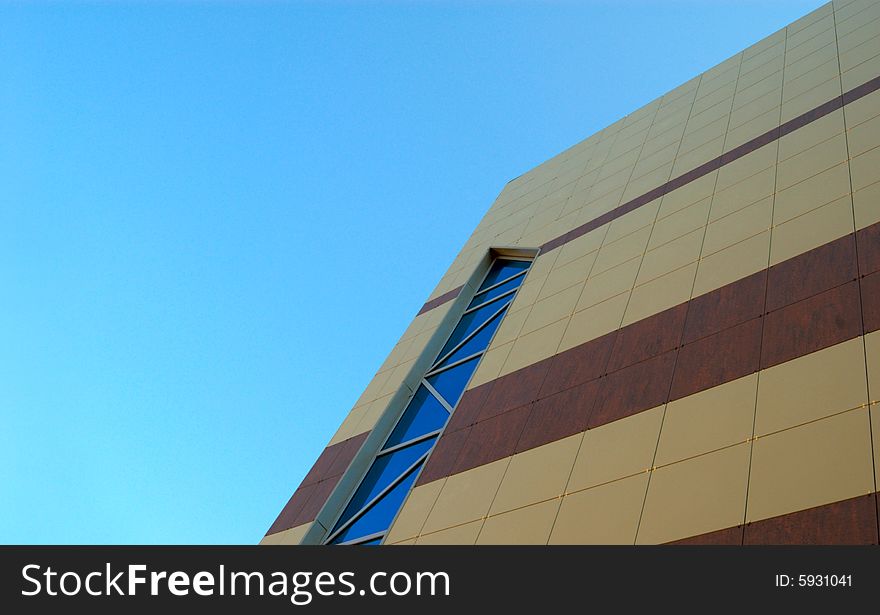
{"x":370,"y":511}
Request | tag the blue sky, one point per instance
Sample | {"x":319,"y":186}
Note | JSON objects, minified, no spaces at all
{"x":217,"y":218}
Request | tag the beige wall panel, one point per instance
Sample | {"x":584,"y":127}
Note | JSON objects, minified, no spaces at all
{"x":696,"y":496}
{"x":670,"y":256}
{"x":811,"y":230}
{"x":812,"y":161}
{"x":414,"y":512}
{"x":490,"y":365}
{"x":536,"y":475}
{"x":607,"y":514}
{"x":609,"y":283}
{"x":812,"y":98}
{"x":688,"y":194}
{"x":811,"y":193}
{"x":525,"y":526}
{"x":594,"y":321}
{"x":733,"y":263}
{"x":864,"y":168}
{"x":660,"y":293}
{"x":634,"y":221}
{"x":743,"y":168}
{"x":865,"y":205}
{"x":552,"y":309}
{"x":818,"y":463}
{"x":811,"y":387}
{"x":754,"y":188}
{"x":875,"y":432}
{"x":535,"y":346}
{"x":872,"y":355}
{"x":680,"y":223}
{"x":291,"y":536}
{"x":583,"y":245}
{"x":565,"y":276}
{"x":864,"y":137}
{"x":614,"y":253}
{"x":616,"y":450}
{"x":466,"y":496}
{"x":738,"y":135}
{"x":465,"y":534}
{"x":709,"y":420}
{"x":739,"y":226}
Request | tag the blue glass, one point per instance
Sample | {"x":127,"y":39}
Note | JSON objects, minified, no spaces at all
{"x":495,"y":292}
{"x":423,"y":415}
{"x":379,"y":516}
{"x":451,"y":383}
{"x":385,"y":470}
{"x":477,"y":343}
{"x":469,"y":323}
{"x":501,"y":270}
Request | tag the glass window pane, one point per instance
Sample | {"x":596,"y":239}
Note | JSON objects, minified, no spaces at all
{"x":451,"y":383}
{"x":498,"y":290}
{"x":469,"y":322}
{"x":385,"y":470}
{"x":501,"y":270}
{"x":375,"y":541}
{"x":380,"y":515}
{"x":477,"y":343}
{"x":423,"y":415}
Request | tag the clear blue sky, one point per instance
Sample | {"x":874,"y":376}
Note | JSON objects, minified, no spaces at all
{"x":217,"y":218}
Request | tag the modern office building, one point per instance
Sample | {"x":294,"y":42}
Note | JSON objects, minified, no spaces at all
{"x":669,"y":332}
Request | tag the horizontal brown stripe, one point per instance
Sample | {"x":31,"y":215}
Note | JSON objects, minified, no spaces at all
{"x":729,"y":536}
{"x":716,"y":163}
{"x":438,"y":301}
{"x":736,"y":153}
{"x":753,"y":323}
{"x":847,"y":522}
{"x":316,"y":487}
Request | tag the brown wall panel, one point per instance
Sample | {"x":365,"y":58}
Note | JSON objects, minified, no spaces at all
{"x":719,"y":358}
{"x":514,"y":390}
{"x":323,"y":465}
{"x":811,"y":324}
{"x":812,"y":272}
{"x":870,"y":289}
{"x":725,"y":307}
{"x":558,"y":416}
{"x":469,"y":407}
{"x":868,"y":243}
{"x":291,"y":510}
{"x":320,"y":492}
{"x":633,"y":389}
{"x":724,"y":337}
{"x":441,"y":463}
{"x":578,"y":365}
{"x":438,"y":301}
{"x":850,"y":522}
{"x":492,"y":439}
{"x":728,"y":536}
{"x":648,"y":337}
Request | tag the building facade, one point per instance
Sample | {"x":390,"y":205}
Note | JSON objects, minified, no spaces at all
{"x":689,"y":352}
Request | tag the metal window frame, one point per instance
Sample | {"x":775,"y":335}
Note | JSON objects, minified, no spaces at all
{"x":490,"y":301}
{"x":415,"y":440}
{"x":504,"y":281}
{"x":366,"y":507}
{"x":495,"y":256}
{"x":468,"y":338}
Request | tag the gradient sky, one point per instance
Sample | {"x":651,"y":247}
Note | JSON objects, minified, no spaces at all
{"x":217,"y":218}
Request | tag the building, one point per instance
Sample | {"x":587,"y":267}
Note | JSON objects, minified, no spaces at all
{"x":690,"y":352}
